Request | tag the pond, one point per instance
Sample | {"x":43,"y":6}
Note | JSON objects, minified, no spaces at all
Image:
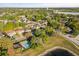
{"x":59,"y":52}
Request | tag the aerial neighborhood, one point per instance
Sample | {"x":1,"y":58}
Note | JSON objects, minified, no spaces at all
{"x":27,"y":31}
{"x":30,"y":25}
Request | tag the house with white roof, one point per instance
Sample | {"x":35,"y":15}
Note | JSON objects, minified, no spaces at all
{"x":11,"y":33}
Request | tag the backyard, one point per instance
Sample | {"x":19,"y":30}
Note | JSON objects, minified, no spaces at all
{"x":53,"y":41}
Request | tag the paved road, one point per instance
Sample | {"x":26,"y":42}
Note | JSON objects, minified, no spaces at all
{"x":69,"y":38}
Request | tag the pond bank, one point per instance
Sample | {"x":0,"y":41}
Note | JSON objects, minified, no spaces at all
{"x":55,"y":48}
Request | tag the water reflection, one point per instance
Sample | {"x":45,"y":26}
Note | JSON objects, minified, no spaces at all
{"x":59,"y":52}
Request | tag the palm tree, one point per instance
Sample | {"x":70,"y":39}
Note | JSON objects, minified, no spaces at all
{"x":39,"y":37}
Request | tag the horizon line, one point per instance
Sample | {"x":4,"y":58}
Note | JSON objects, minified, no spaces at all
{"x":39,"y":5}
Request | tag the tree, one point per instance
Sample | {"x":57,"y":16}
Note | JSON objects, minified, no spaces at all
{"x":73,"y":24}
{"x":34,"y":42}
{"x":37,"y":32}
{"x":39,"y":37}
{"x":49,"y":30}
{"x":5,"y":43}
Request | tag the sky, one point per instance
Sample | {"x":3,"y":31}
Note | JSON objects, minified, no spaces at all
{"x":35,"y":5}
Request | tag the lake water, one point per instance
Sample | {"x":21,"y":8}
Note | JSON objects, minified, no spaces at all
{"x":59,"y":52}
{"x":72,"y":13}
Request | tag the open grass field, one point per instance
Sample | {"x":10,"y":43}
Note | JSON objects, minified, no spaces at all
{"x":9,"y":26}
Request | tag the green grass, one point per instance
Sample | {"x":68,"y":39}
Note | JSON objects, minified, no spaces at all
{"x":9,"y":26}
{"x":51,"y":42}
{"x":1,"y":26}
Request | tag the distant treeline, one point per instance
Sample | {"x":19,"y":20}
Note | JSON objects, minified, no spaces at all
{"x":68,"y":9}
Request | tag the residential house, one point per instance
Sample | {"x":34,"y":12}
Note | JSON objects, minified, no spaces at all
{"x":11,"y":33}
{"x":23,"y":18}
{"x":16,"y":45}
{"x":11,"y":52}
{"x":1,"y":35}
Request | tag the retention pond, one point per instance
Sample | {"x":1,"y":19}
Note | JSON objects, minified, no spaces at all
{"x":58,"y":51}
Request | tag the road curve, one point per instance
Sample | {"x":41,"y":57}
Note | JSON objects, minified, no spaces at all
{"x":69,"y":38}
